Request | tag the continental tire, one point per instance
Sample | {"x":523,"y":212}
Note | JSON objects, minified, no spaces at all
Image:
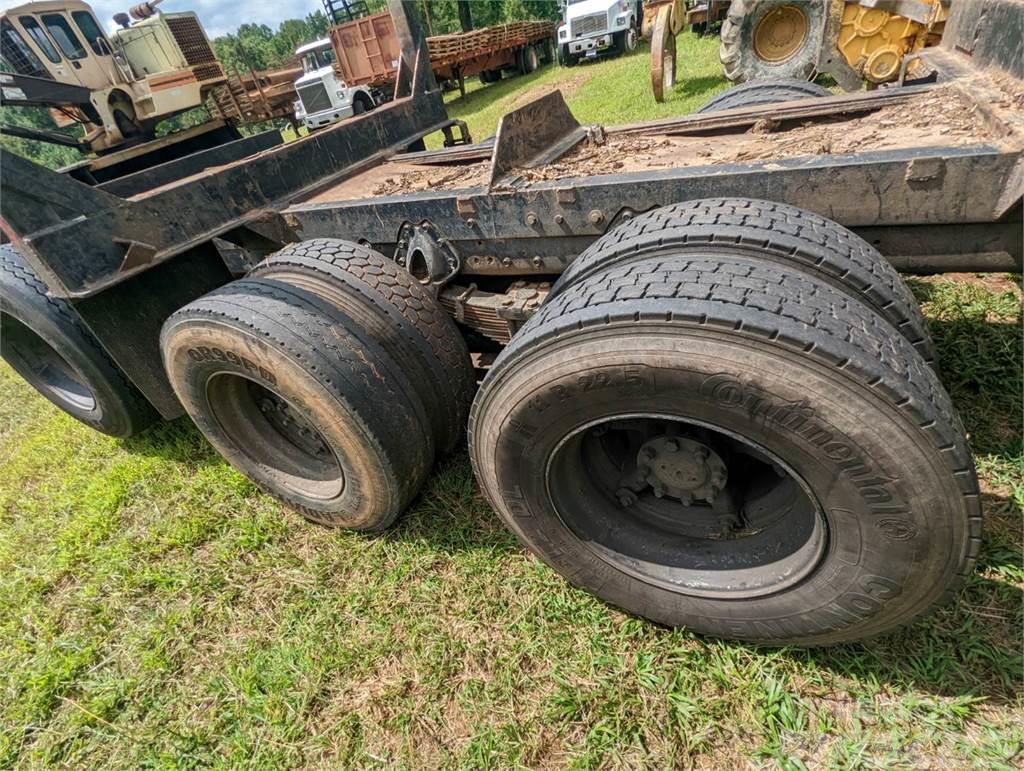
{"x":46,"y":342}
{"x":763,"y":92}
{"x":302,"y":401}
{"x":398,"y":312}
{"x":743,"y":58}
{"x":845,"y":498}
{"x":769,"y":232}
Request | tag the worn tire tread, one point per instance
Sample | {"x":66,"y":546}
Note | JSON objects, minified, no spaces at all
{"x":774,"y":232}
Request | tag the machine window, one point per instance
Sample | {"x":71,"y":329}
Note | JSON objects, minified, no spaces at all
{"x":92,"y":32}
{"x":16,"y":53}
{"x":61,"y":32}
{"x":39,"y":36}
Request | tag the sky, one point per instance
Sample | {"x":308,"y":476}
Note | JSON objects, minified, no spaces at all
{"x":218,"y":17}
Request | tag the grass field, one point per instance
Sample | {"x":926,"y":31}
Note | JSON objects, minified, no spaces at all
{"x":156,"y":610}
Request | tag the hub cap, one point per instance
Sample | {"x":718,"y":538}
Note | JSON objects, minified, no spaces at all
{"x":780,"y":34}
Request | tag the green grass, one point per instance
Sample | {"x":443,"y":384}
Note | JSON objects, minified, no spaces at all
{"x":157,"y":610}
{"x":606,"y":91}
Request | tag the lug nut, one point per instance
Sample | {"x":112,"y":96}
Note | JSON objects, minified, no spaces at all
{"x":626,"y":496}
{"x":671,"y":445}
{"x":649,"y":453}
{"x":596,"y":216}
{"x":531,"y":219}
{"x":559,"y":219}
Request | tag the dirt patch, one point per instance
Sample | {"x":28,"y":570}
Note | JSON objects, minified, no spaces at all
{"x":997,"y":283}
{"x":567,"y":87}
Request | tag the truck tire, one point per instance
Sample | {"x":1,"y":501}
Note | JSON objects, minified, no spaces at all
{"x":527,"y":60}
{"x":361,"y":103}
{"x":763,"y":92}
{"x":625,"y":41}
{"x":399,"y":313}
{"x":763,"y":231}
{"x":565,"y":57}
{"x":301,"y":401}
{"x":843,"y":497}
{"x":771,"y":39}
{"x":46,"y":342}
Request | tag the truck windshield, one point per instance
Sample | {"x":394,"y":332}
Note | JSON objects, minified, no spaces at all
{"x":16,"y":53}
{"x":314,"y":60}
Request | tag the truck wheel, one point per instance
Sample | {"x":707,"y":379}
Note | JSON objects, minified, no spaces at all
{"x":565,"y":57}
{"x":763,"y":231}
{"x":361,"y":103}
{"x":626,"y":41}
{"x":528,"y":60}
{"x":301,"y":400}
{"x":663,"y":55}
{"x":490,"y":76}
{"x":763,"y":92}
{"x":46,"y":342}
{"x":736,"y":449}
{"x":398,"y":312}
{"x":771,"y":39}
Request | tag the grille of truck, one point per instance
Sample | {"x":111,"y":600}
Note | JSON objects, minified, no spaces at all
{"x":314,"y":98}
{"x":589,"y":25}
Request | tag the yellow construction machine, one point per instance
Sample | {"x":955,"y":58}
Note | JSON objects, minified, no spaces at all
{"x":854,"y":41}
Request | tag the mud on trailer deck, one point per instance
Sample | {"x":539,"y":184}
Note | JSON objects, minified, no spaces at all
{"x":709,"y":399}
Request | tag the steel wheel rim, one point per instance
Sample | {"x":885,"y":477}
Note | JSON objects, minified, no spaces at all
{"x":45,"y":368}
{"x":780,"y":34}
{"x":270,"y":429}
{"x":677,"y":558}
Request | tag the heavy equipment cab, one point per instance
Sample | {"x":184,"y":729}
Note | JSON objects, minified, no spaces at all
{"x":119,"y":86}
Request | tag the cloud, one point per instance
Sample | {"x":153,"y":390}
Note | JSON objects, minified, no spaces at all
{"x":217,"y":16}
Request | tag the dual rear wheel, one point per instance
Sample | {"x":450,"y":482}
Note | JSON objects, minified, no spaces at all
{"x":723,"y":418}
{"x":329,"y":377}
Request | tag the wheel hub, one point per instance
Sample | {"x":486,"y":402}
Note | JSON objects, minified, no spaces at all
{"x":681,"y":468}
{"x":780,"y":34}
{"x":291,"y":425}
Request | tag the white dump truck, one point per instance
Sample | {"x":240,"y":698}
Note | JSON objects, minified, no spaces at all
{"x":593,"y":28}
{"x":324,"y":98}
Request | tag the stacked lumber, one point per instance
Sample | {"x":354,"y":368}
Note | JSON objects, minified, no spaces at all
{"x":458,"y":47}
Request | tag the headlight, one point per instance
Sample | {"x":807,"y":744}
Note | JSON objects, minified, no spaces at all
{"x":620,"y":21}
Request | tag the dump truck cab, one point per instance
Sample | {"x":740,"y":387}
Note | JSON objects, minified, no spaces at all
{"x":120,"y":86}
{"x":324,"y":98}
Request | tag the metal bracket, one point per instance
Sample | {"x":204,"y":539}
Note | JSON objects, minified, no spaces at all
{"x":535,"y":134}
{"x":431,"y":259}
{"x":137,"y":254}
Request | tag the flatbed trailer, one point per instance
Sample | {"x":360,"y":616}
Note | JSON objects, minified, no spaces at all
{"x":367,"y":50}
{"x":708,"y":398}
